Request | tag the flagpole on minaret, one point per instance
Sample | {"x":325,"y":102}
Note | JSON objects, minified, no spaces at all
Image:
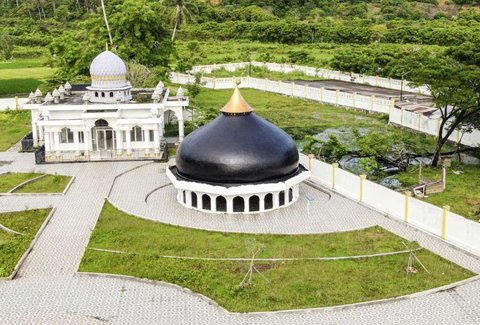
{"x":106,"y":22}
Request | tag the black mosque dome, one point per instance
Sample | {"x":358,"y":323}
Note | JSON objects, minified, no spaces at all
{"x":237,"y":147}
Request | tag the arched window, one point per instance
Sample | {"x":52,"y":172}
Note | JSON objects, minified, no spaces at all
{"x":238,"y":204}
{"x":290,"y":195}
{"x":206,"y":202}
{"x":221,"y":203}
{"x":136,"y":134}
{"x":254,"y":202}
{"x":66,"y":136}
{"x":194,"y":200}
{"x":103,"y":94}
{"x":96,"y":94}
{"x":101,"y":122}
{"x":111,"y":94}
{"x":268,"y":201}
{"x":184,"y":197}
{"x":281,"y":198}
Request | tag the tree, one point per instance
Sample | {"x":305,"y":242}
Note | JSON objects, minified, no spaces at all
{"x":453,"y":79}
{"x":180,"y":12}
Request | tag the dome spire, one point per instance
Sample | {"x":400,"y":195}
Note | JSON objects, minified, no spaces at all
{"x":237,"y":105}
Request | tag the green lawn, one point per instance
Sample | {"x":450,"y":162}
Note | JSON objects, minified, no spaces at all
{"x":23,"y":76}
{"x":13,"y":246}
{"x":301,"y":117}
{"x":14,"y":125}
{"x":462,"y":193}
{"x":10,"y":180}
{"x":47,"y":184}
{"x":259,"y":72}
{"x":294,"y":284}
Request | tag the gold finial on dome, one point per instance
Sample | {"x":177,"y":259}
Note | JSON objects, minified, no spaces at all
{"x":237,"y":104}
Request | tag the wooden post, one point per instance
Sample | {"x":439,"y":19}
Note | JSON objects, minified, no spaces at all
{"x":362,"y":180}
{"x":446,"y":209}
{"x":334,"y":174}
{"x":408,"y":195}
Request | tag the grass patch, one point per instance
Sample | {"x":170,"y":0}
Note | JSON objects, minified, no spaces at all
{"x":23,"y":76}
{"x":260,"y":72}
{"x":301,"y":117}
{"x":48,"y":184}
{"x":14,"y":125}
{"x":462,"y":193}
{"x":9,"y":180}
{"x":12,"y":246}
{"x":299,"y":284}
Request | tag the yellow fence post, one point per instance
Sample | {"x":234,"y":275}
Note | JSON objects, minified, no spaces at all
{"x":321,"y":94}
{"x":293,"y":88}
{"x":306,"y":90}
{"x":419,"y":122}
{"x":446,"y":209}
{"x":334,"y":174}
{"x":408,"y":195}
{"x":310,"y":157}
{"x":372,"y":101}
{"x":337,"y":93}
{"x":401,"y":116}
{"x":214,"y":83}
{"x":16,"y":102}
{"x":354,"y":99}
{"x":362,"y":180}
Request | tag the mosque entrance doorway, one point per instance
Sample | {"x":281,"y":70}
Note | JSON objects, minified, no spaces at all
{"x":103,"y":138}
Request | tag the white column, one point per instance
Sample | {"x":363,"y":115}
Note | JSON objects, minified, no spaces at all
{"x":181,"y":130}
{"x":146,"y":135}
{"x":276,"y":200}
{"x":128,"y":133}
{"x":41,"y":134}
{"x":76,"y":143}
{"x":246,"y":203}
{"x":229,"y":204}
{"x":34,"y":131}
{"x":261,"y":207}
{"x":156,"y":142}
{"x":213,"y":202}
{"x":200,"y":201}
{"x":119,"y":136}
{"x":56,"y":136}
{"x":47,"y":142}
{"x":188,"y":198}
{"x":86,"y":139}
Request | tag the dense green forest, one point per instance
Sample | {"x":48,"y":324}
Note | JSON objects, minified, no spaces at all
{"x":71,"y":32}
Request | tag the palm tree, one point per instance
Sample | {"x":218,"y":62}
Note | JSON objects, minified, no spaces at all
{"x":180,"y":11}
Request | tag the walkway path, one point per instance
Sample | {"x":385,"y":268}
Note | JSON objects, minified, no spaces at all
{"x":47,"y":291}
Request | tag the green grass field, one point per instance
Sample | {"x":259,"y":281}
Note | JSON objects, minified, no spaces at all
{"x":48,"y":184}
{"x":462,"y":193}
{"x":293,"y":284}
{"x":22,"y":76}
{"x":13,"y":246}
{"x":14,"y":125}
{"x":301,"y":117}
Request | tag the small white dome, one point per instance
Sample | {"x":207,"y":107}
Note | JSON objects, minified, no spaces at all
{"x":108,"y":71}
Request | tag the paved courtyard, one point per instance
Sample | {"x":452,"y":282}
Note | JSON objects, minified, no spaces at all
{"x":47,"y":290}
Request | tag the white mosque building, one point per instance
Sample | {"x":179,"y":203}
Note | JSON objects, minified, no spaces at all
{"x":103,"y":122}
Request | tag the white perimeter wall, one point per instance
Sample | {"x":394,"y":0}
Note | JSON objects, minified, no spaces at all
{"x":456,"y":229}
